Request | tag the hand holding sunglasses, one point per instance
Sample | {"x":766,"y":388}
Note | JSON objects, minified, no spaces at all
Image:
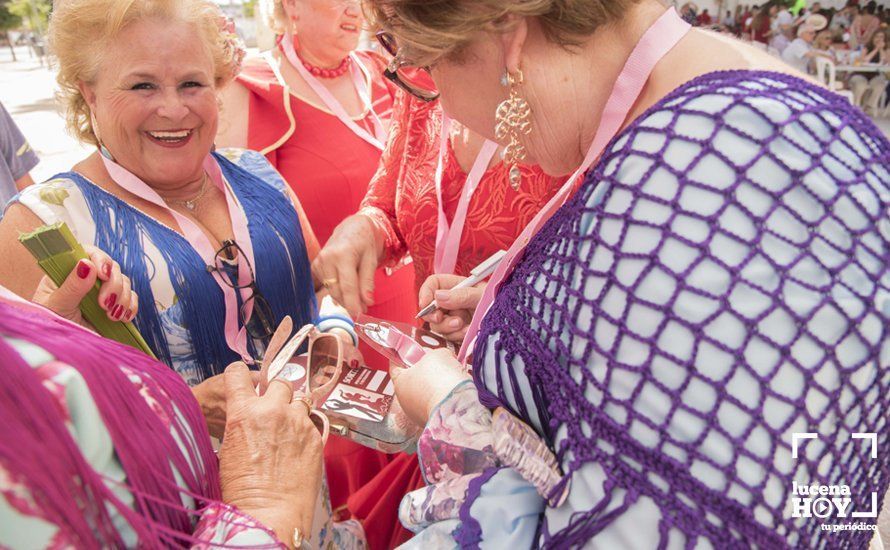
{"x":314,"y":375}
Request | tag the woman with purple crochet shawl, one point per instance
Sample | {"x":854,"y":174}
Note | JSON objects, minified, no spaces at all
{"x":690,"y":344}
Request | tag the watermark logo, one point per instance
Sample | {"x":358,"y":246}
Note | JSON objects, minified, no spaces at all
{"x":831,"y":501}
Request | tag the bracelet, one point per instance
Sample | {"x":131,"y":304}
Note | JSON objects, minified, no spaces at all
{"x":330,"y":322}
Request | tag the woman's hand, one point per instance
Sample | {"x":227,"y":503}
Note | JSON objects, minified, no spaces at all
{"x":421,"y":387}
{"x":456,"y":307}
{"x":211,"y":396}
{"x":347,"y":263}
{"x":115,"y":295}
{"x":271,"y":456}
{"x":211,"y":393}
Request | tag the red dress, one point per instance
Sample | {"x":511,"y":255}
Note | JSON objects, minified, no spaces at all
{"x":402,"y":202}
{"x":329,"y":168}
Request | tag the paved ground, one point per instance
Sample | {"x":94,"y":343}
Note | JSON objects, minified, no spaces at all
{"x":27,"y":91}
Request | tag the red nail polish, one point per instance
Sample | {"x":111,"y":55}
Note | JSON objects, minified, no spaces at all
{"x":117,"y":312}
{"x":107,"y":270}
{"x":110,"y":301}
{"x":129,"y":315}
{"x":83,"y":269}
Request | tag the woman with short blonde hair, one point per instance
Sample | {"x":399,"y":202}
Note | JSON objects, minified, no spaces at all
{"x":711,"y":281}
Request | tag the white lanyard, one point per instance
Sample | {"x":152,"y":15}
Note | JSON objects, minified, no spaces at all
{"x":358,"y":72}
{"x":661,"y":37}
{"x":448,"y":237}
{"x":236,"y":337}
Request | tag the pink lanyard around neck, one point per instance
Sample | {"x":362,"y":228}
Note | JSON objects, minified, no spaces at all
{"x":661,"y":37}
{"x":448,"y":237}
{"x":236,"y":337}
{"x":358,"y":72}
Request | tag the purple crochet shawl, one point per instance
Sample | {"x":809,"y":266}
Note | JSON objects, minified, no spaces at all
{"x":822,"y":238}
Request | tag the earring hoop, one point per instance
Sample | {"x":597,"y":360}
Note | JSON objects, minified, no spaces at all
{"x":513,"y":117}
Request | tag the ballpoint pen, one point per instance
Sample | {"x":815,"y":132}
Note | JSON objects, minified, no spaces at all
{"x":477,"y":275}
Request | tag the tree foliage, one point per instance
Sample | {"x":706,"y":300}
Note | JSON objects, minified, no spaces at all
{"x":34,"y":14}
{"x":8,"y":20}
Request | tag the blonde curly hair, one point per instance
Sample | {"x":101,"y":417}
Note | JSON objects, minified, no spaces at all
{"x":433,"y":30}
{"x":80,"y":31}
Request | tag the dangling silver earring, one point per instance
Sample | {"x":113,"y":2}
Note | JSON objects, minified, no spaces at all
{"x":513,"y":118}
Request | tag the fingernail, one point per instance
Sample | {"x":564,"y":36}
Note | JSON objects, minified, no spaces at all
{"x":110,"y":301}
{"x":106,"y":269}
{"x":455,"y":323}
{"x":83,"y":269}
{"x":442,"y":295}
{"x":129,"y":315}
{"x":369,"y":295}
{"x":117,"y":312}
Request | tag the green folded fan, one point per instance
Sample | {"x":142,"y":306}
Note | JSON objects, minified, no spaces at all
{"x":57,"y":253}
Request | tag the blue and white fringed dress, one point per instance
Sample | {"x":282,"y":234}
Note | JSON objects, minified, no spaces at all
{"x":181,"y":313}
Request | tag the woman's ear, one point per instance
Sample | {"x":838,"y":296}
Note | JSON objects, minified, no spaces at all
{"x":513,"y":41}
{"x":88,"y":94}
{"x":292,"y":9}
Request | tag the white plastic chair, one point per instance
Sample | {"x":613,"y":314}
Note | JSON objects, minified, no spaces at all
{"x":826,"y":73}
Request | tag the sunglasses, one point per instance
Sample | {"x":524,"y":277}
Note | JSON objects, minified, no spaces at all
{"x":314,"y":375}
{"x":261,"y":323}
{"x":417,"y":81}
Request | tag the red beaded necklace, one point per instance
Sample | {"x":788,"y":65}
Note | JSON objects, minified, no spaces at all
{"x":319,"y":72}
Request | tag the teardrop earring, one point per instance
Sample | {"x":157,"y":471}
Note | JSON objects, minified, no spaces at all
{"x":513,"y":118}
{"x":102,"y":149}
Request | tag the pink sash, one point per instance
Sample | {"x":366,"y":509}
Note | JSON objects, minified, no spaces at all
{"x":236,"y":337}
{"x":661,"y":37}
{"x":358,"y":72}
{"x":448,"y":238}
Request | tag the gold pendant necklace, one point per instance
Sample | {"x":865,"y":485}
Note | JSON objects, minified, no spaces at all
{"x":192,"y":203}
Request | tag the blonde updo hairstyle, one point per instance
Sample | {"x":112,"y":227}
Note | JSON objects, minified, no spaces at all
{"x":80,"y":31}
{"x":434,"y":30}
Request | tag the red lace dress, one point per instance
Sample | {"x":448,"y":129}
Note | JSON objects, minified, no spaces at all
{"x":329,"y":168}
{"x":403,"y":204}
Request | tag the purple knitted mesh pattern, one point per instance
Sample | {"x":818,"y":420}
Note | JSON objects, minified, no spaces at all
{"x":785,"y":332}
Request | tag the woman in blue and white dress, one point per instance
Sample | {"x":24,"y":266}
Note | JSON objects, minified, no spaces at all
{"x":216,"y":246}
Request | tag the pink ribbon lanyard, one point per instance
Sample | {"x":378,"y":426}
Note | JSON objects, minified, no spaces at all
{"x":235,"y":338}
{"x":448,"y":238}
{"x":359,"y":77}
{"x":661,"y":37}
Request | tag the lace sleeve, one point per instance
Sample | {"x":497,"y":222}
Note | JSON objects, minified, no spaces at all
{"x":379,"y":203}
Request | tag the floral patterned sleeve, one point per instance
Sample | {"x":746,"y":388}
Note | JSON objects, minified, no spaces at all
{"x":379,"y":203}
{"x":454,"y":449}
{"x":466,"y":454}
{"x":224,"y":525}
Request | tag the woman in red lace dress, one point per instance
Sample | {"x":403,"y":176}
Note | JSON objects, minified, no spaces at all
{"x":399,"y":218}
{"x":318,"y":110}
